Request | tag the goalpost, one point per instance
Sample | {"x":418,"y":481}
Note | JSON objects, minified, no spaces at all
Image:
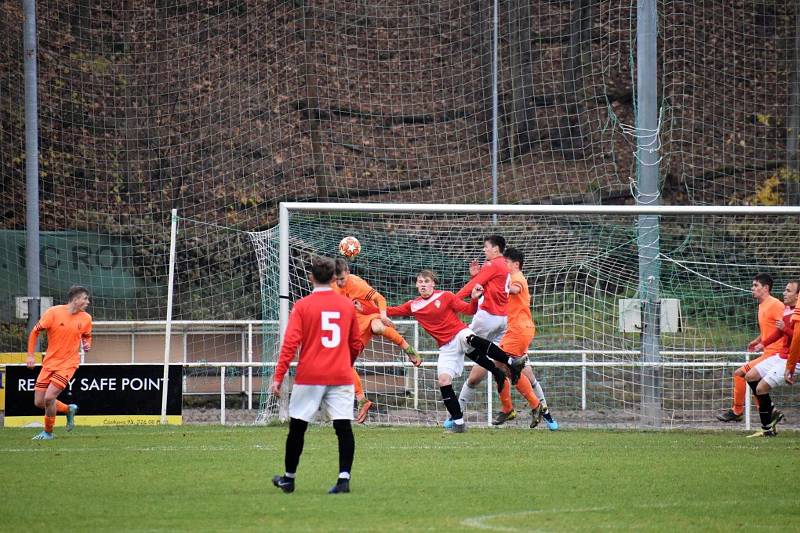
{"x":582,"y":265}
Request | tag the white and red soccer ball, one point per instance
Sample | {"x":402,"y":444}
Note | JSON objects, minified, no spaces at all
{"x":349,"y":247}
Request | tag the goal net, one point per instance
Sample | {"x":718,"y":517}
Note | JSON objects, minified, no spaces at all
{"x":582,"y":270}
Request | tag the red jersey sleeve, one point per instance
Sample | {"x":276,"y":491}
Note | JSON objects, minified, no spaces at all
{"x":487,"y":272}
{"x":291,"y":341}
{"x":400,"y":310}
{"x":460,"y":306}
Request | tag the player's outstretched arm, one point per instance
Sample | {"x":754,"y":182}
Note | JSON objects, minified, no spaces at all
{"x":486,"y":273}
{"x":400,"y":310}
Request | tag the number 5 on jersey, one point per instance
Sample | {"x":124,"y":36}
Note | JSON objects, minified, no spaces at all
{"x":328,"y":326}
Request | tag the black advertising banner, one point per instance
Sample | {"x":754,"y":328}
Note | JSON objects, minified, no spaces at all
{"x":105,"y":395}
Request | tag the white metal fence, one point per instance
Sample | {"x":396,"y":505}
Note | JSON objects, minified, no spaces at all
{"x":250,"y":330}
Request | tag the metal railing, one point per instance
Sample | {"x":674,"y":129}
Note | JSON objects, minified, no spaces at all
{"x":248,"y":329}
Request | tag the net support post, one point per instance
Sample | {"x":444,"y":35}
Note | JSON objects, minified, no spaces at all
{"x":31,"y":166}
{"x":583,"y":382}
{"x":173,"y":236}
{"x":283,"y":271}
{"x":250,"y":366}
{"x":495,"y":105}
{"x":222,"y":395}
{"x":747,"y":401}
{"x":647,"y":157}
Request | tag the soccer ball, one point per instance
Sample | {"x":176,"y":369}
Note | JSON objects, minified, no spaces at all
{"x":349,"y":247}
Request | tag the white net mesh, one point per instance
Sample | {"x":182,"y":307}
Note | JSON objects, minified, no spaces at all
{"x":579,"y":268}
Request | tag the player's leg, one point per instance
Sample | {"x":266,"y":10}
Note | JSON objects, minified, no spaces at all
{"x":50,"y":395}
{"x":303,"y":406}
{"x":40,"y":400}
{"x":476,"y":376}
{"x":450,"y":401}
{"x":524,"y":387}
{"x":496,"y":353}
{"x":449,"y":366}
{"x":338,"y":402}
{"x":544,"y":410}
{"x":62,"y":378}
{"x":363,"y":403}
{"x":507,"y":411}
{"x":391,"y":334}
{"x":481,"y":359}
{"x":770,"y":373}
{"x":735,"y":413}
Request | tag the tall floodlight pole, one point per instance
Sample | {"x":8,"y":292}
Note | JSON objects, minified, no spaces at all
{"x":495,"y":101}
{"x":31,"y":164}
{"x":648,"y":154}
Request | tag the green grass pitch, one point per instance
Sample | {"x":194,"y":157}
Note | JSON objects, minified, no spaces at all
{"x":404,"y":479}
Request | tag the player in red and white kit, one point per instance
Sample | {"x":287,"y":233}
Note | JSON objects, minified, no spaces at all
{"x":323,"y":326}
{"x":436,"y":311}
{"x":491,"y":320}
{"x":770,"y":372}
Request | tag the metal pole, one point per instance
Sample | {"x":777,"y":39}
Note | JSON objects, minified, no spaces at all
{"x":495,"y":111}
{"x":283,"y":260}
{"x":173,"y":235}
{"x":31,"y":165}
{"x":583,"y":382}
{"x":250,"y":368}
{"x":222,"y":395}
{"x":647,"y":154}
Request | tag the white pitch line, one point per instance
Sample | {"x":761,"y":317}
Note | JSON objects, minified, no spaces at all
{"x":480,"y":522}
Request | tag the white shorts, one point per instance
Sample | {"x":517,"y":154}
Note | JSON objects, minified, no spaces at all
{"x":306,"y":400}
{"x":451,"y":355}
{"x":488,"y":326}
{"x":772,"y":371}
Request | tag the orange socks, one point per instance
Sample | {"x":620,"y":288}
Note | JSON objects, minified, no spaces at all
{"x":49,"y":422}
{"x":393,"y":336}
{"x":526,"y":389}
{"x":357,"y":383}
{"x":61,"y":408}
{"x":505,"y":398}
{"x":739,"y":390}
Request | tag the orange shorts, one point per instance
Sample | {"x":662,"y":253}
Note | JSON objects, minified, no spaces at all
{"x":58,"y":377}
{"x":515,"y":343}
{"x":365,"y":326}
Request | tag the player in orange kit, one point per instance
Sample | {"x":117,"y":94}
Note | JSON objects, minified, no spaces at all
{"x":68,"y":327}
{"x":770,"y":373}
{"x":770,"y":310}
{"x":372,"y":319}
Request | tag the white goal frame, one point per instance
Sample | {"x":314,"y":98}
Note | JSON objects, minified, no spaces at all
{"x":650,"y":351}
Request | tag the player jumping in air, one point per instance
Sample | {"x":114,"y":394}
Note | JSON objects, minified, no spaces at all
{"x":372,"y":319}
{"x":491,"y":320}
{"x":68,"y":327}
{"x":770,"y":310}
{"x":436,"y":311}
{"x":514,"y":345}
{"x":324,"y":327}
{"x":770,"y":373}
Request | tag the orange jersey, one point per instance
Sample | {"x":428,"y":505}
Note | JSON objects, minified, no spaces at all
{"x":770,"y":311}
{"x":65,"y":331}
{"x":519,"y":306}
{"x":357,"y":289}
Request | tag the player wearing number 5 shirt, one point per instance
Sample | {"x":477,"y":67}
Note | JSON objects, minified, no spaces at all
{"x":324,"y":328}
